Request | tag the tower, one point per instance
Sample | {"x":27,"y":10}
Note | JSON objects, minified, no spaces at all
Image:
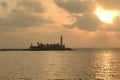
{"x":31,"y":45}
{"x":61,"y":40}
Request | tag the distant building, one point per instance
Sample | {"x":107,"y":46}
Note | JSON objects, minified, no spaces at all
{"x":55,"y":46}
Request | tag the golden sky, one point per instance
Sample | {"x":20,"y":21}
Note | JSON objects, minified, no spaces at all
{"x":83,"y":23}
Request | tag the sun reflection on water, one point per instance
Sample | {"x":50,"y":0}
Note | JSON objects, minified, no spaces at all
{"x":107,"y":69}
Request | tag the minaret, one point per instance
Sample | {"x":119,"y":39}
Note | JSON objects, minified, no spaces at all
{"x":31,"y":44}
{"x":61,"y":40}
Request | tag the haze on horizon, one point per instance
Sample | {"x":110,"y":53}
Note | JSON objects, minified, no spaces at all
{"x":83,"y":23}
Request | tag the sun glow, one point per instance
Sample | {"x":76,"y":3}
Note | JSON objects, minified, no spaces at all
{"x":106,"y":16}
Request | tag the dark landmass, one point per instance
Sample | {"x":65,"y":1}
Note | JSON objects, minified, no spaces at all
{"x":36,"y":49}
{"x":14,"y":49}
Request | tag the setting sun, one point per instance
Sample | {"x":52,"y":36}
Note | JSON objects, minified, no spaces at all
{"x":106,"y":16}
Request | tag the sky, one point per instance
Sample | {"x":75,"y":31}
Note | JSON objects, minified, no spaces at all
{"x":82,"y":23}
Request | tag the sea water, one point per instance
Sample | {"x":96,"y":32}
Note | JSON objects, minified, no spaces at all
{"x":84,"y":64}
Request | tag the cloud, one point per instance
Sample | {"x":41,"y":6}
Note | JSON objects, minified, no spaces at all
{"x":113,"y":27}
{"x":19,"y":18}
{"x":76,"y":6}
{"x":88,"y":22}
{"x":34,"y":5}
{"x":109,"y":4}
{"x":4,"y":4}
{"x":27,"y":13}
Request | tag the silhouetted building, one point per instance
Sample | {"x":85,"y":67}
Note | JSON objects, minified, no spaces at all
{"x":55,"y":46}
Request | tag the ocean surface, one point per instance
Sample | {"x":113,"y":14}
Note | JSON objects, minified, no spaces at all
{"x":84,"y":64}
